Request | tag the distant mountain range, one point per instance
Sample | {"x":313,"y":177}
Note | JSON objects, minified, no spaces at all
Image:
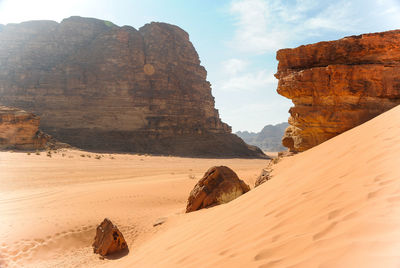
{"x":269,"y":139}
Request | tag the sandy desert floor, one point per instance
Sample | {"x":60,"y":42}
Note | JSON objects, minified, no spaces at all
{"x":50,"y":206}
{"x":335,"y":205}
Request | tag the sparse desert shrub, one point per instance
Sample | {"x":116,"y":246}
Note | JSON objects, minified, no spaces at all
{"x":28,"y":153}
{"x":63,"y":155}
{"x":49,"y":153}
{"x":97,"y":157}
{"x":82,"y":155}
{"x":37,"y":153}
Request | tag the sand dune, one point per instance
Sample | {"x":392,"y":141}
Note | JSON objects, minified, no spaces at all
{"x":336,"y":205}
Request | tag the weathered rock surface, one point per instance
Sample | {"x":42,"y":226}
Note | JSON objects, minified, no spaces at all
{"x":108,"y":239}
{"x":338,"y":85}
{"x":219,"y":185}
{"x":102,"y":87}
{"x":20,"y":130}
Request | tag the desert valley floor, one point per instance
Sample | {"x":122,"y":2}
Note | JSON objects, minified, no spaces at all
{"x":335,"y":205}
{"x":50,"y":206}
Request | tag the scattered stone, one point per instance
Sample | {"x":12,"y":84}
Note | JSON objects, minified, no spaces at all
{"x":285,"y":154}
{"x":266,"y":172}
{"x":264,"y":176}
{"x":108,"y":239}
{"x":219,"y":185}
{"x":159,"y":221}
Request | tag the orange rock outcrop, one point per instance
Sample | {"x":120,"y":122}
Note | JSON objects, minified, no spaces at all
{"x":338,"y":85}
{"x":20,"y":130}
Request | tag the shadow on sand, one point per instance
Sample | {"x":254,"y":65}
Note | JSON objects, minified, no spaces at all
{"x":117,"y":255}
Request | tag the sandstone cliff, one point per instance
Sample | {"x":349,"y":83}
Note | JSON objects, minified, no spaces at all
{"x":99,"y":86}
{"x":338,"y":85}
{"x":20,"y":130}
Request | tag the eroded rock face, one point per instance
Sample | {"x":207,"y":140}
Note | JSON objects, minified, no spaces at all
{"x":103,"y":87}
{"x":20,"y":130}
{"x":219,"y":185}
{"x":108,"y":239}
{"x":338,"y":85}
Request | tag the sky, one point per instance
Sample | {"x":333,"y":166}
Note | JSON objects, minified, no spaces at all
{"x":236,"y":40}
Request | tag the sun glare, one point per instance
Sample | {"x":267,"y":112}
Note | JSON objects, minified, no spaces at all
{"x":16,"y":11}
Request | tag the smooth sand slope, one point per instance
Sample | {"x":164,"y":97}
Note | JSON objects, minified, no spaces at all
{"x":336,"y":205}
{"x":50,"y":207}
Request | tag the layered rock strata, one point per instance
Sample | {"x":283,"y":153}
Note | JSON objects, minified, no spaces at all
{"x":338,"y":85}
{"x":20,"y":130}
{"x":98,"y":86}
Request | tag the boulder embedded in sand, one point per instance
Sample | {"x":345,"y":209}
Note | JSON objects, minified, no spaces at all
{"x":219,"y":185}
{"x":108,"y":239}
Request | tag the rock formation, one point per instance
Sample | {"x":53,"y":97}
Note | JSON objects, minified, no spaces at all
{"x":338,"y":85}
{"x":20,"y":130}
{"x":268,"y":139}
{"x":219,"y":185}
{"x":103,"y":87}
{"x":108,"y":239}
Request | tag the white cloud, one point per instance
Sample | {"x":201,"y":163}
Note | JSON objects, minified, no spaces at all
{"x":255,"y":31}
{"x":264,"y":26}
{"x":249,"y":81}
{"x":234,"y":66}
